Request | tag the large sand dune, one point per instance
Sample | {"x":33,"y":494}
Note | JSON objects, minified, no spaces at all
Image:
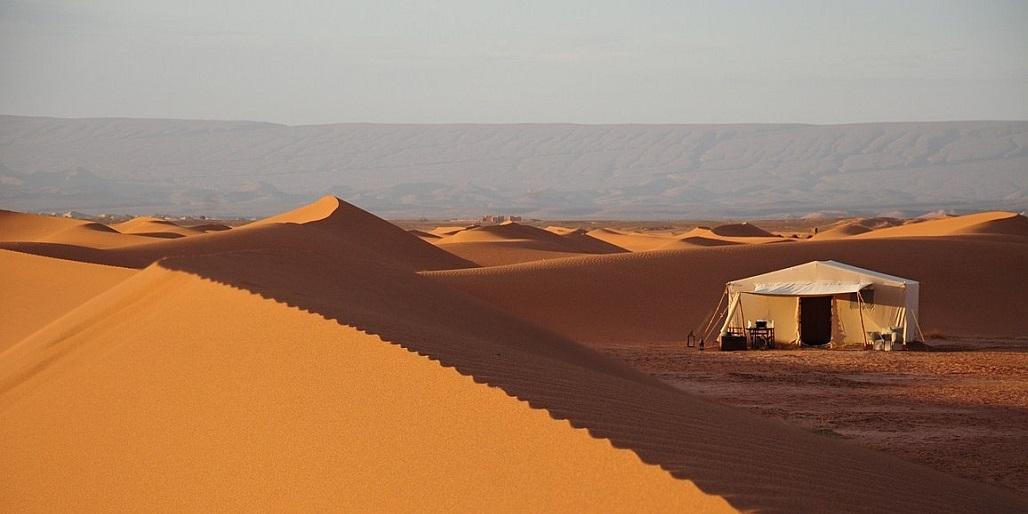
{"x":273,"y":408}
{"x":304,"y":363}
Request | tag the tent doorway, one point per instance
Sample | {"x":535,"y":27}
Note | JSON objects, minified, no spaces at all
{"x":816,"y":320}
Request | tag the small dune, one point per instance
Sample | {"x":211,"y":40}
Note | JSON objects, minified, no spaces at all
{"x":148,"y":226}
{"x":559,"y":230}
{"x":428,"y":236}
{"x":22,"y":227}
{"x":581,"y":239}
{"x":512,"y":242}
{"x":631,"y":241}
{"x":853,"y":227}
{"x":450,"y":230}
{"x":211,"y":227}
{"x":751,"y":235}
{"x":696,"y":242}
{"x":740,"y":230}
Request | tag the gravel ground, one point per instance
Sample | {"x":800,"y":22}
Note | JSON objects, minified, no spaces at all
{"x":963,"y":411}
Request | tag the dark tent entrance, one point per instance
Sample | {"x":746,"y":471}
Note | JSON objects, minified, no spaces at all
{"x":815,"y":320}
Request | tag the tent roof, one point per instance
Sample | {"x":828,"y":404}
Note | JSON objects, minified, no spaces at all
{"x":816,"y":278}
{"x":817,"y":288}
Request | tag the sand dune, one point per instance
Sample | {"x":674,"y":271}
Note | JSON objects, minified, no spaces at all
{"x":450,"y":230}
{"x":661,"y":296}
{"x":154,"y":227}
{"x":739,"y":233}
{"x":740,"y":230}
{"x":36,"y":290}
{"x":427,"y":236}
{"x":508,"y":231}
{"x":984,"y":223}
{"x":210,"y":227}
{"x":852,"y":227}
{"x":631,"y":241}
{"x":17,"y":226}
{"x":328,"y":226}
{"x":722,"y":235}
{"x":559,"y":230}
{"x":580,"y":238}
{"x":342,"y":220}
{"x":694,"y":241}
{"x":295,"y":412}
{"x":302,"y":363}
{"x":512,"y":242}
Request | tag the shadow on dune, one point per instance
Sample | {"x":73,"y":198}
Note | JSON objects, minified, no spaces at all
{"x":756,"y":464}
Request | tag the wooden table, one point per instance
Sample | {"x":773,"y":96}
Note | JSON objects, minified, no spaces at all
{"x":761,"y":337}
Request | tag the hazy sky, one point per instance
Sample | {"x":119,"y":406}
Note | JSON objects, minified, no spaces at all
{"x":590,"y":61}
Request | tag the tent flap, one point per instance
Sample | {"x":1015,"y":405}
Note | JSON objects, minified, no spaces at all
{"x":818,"y":288}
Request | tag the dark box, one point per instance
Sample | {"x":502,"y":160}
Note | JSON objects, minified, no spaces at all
{"x":731,"y":343}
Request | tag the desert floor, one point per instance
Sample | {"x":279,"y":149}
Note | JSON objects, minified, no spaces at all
{"x":957,"y":409}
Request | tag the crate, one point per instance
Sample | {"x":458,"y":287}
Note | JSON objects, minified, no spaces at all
{"x":732,"y":343}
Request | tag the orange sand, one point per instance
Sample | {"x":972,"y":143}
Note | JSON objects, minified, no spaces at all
{"x":36,"y":290}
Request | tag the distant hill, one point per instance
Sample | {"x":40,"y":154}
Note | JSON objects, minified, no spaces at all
{"x":541,"y":170}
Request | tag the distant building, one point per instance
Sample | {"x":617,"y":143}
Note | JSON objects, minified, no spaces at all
{"x":492,"y":218}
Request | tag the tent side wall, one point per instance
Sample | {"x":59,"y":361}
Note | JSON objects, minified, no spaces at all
{"x":887,"y":309}
{"x":780,"y":309}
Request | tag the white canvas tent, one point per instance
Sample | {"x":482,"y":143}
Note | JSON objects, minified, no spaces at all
{"x":823,"y":301}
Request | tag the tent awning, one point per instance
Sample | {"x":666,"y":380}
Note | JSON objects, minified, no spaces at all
{"x":818,"y":288}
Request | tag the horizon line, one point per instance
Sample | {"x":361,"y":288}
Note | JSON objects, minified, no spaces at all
{"x":517,"y":123}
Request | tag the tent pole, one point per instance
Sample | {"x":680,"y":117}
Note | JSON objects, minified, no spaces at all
{"x":860,"y":308}
{"x":918,"y":325}
{"x":715,"y":313}
{"x":743,"y":314}
{"x":727,"y":307}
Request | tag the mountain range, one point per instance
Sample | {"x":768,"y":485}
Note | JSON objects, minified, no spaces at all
{"x":552,"y":171}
